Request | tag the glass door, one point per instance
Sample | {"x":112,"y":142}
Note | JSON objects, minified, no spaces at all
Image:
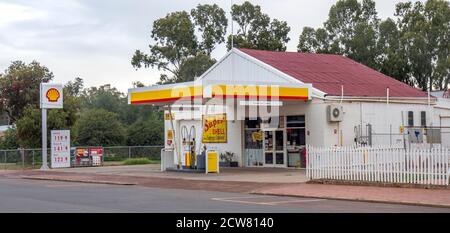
{"x":253,"y":148}
{"x":268,"y":147}
{"x":274,"y":148}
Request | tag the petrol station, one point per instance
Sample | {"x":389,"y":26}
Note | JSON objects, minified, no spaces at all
{"x":261,"y":108}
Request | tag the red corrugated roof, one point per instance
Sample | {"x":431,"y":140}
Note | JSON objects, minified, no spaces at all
{"x":328,"y":72}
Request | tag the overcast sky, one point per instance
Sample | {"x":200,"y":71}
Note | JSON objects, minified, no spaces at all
{"x":95,"y":39}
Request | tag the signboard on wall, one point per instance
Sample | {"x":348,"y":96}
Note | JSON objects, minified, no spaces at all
{"x":60,"y":148}
{"x":214,"y":128}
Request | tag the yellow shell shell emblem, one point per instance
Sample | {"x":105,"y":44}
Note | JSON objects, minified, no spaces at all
{"x":52,"y":95}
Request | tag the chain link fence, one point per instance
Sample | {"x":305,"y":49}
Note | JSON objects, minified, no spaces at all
{"x":32,"y":158}
{"x":120,"y":153}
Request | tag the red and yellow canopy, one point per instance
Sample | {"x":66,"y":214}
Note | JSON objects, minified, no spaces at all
{"x":166,"y":94}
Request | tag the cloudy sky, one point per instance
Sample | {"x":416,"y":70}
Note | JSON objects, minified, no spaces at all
{"x":95,"y":39}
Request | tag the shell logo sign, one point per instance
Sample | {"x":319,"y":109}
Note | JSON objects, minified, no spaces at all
{"x":52,"y":95}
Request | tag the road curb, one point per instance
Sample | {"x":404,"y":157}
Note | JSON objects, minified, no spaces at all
{"x":352,"y":199}
{"x":77,"y":180}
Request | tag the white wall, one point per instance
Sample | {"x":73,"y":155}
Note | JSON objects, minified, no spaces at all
{"x":442,"y":118}
{"x":385,"y":119}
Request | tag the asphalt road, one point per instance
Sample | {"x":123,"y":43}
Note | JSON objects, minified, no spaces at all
{"x":19,"y":195}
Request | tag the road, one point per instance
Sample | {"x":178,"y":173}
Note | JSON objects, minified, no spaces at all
{"x":19,"y":195}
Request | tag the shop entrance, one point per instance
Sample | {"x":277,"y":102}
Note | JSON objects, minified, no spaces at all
{"x":274,"y":155}
{"x":282,"y":146}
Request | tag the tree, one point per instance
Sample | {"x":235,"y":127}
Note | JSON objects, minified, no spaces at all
{"x":314,"y":41}
{"x":20,"y":85}
{"x":98,"y":127}
{"x":392,"y":60}
{"x":103,"y":97}
{"x":256,"y":29}
{"x":176,"y":42}
{"x":74,"y":88}
{"x":72,"y":100}
{"x":29,"y":125}
{"x":194,"y":67}
{"x":112,"y":100}
{"x":212,"y":23}
{"x":425,"y":35}
{"x":351,"y":30}
{"x":9,"y":139}
{"x":145,"y":132}
{"x":414,"y":49}
{"x":138,"y":84}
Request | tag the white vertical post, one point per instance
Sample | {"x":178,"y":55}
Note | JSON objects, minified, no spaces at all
{"x":44,"y":140}
{"x":430,"y":167}
{"x":447,"y":168}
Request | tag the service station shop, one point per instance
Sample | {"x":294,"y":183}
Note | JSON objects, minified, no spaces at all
{"x":264,"y":107}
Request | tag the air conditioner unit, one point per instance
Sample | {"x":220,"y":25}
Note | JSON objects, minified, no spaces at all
{"x":335,"y":113}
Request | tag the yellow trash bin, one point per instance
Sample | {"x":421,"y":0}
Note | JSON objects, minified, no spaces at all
{"x":212,"y":162}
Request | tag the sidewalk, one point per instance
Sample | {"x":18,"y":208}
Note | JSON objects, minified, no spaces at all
{"x":414,"y":196}
{"x":264,"y":175}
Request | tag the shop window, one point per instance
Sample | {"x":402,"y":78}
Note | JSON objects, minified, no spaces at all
{"x":279,"y":144}
{"x":295,"y":131}
{"x":295,"y":137}
{"x":253,"y":139}
{"x":410,"y":118}
{"x":252,"y":123}
{"x":295,"y":121}
{"x":423,"y":118}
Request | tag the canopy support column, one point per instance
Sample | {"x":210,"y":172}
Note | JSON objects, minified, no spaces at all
{"x":175,"y":139}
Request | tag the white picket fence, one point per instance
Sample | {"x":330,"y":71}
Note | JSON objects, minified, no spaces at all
{"x":380,"y":164}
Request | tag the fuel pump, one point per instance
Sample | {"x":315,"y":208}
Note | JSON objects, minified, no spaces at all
{"x":189,"y":146}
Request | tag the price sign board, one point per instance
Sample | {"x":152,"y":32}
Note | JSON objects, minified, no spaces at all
{"x":60,"y":148}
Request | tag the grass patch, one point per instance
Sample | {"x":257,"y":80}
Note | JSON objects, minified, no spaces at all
{"x":113,"y":159}
{"x":112,"y":163}
{"x":137,"y":161}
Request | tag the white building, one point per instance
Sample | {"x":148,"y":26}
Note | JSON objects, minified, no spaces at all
{"x":321,"y":100}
